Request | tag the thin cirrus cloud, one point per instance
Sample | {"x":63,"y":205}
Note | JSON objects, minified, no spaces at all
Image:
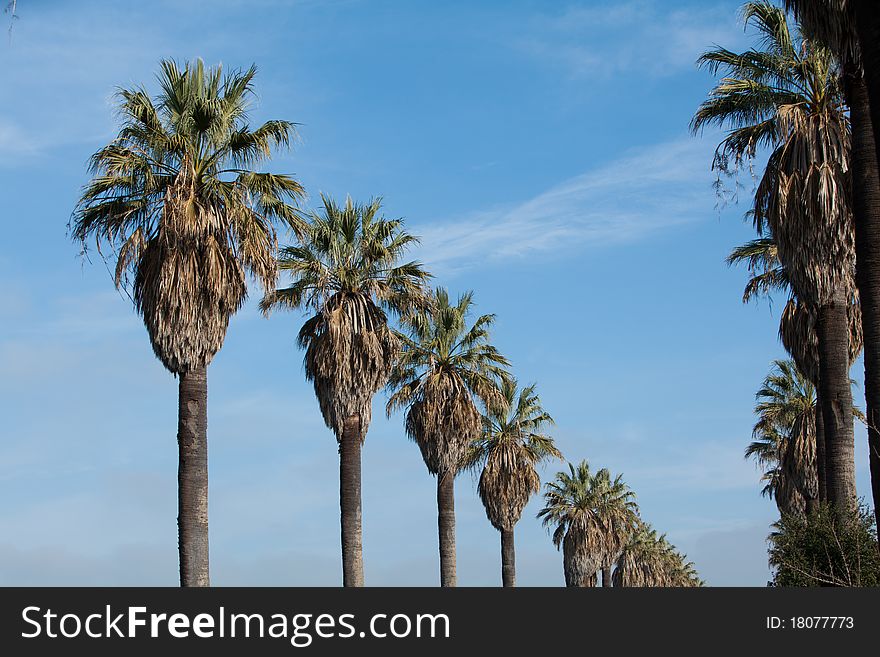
{"x":656,"y":188}
{"x":641,"y":36}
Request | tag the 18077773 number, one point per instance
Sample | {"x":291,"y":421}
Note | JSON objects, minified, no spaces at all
{"x":810,"y":623}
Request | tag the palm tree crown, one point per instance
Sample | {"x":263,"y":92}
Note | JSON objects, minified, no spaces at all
{"x":347,"y":269}
{"x":784,"y":437}
{"x":594,"y":516}
{"x":787,"y":96}
{"x":177,"y":200}
{"x":508,"y":451}
{"x":443,"y":366}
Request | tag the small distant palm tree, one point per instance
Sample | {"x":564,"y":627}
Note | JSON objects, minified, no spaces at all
{"x":443,"y":367}
{"x":347,"y":270}
{"x":178,"y":200}
{"x":593,"y":518}
{"x":784,"y":438}
{"x":650,"y":560}
{"x":508,"y":452}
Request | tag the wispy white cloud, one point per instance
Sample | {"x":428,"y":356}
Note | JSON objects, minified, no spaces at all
{"x":15,"y":143}
{"x":640,"y":36}
{"x":646,"y":191}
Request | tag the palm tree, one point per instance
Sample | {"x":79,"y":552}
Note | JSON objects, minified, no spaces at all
{"x":347,"y":271}
{"x":784,"y":438}
{"x":797,"y":324}
{"x":787,"y":96}
{"x":650,"y":560}
{"x":508,"y":451}
{"x":176,"y":199}
{"x":593,"y":518}
{"x":444,"y":365}
{"x":851,"y":29}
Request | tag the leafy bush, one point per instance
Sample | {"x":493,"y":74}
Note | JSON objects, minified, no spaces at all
{"x":825,"y":549}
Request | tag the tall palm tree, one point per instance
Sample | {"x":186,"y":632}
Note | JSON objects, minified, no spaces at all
{"x":787,"y":96}
{"x":508,"y":451}
{"x":444,"y":365}
{"x":348,"y":271}
{"x":797,"y":324}
{"x":784,"y":438}
{"x":650,"y":560}
{"x":176,"y":199}
{"x":593,"y":518}
{"x":851,"y":29}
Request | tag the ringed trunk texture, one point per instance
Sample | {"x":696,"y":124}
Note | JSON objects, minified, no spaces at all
{"x":508,"y":559}
{"x":446,"y":527}
{"x":192,"y":477}
{"x":606,"y":576}
{"x":820,"y":451}
{"x":350,"y":502}
{"x":866,"y":215}
{"x":836,"y":397}
{"x":867,"y":20}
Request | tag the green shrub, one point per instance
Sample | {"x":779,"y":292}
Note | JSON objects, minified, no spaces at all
{"x":825,"y":549}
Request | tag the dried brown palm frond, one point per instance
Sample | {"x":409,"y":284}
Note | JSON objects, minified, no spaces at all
{"x":349,"y":353}
{"x":804,"y":198}
{"x":580,"y":555}
{"x":506,"y":483}
{"x":443,"y":422}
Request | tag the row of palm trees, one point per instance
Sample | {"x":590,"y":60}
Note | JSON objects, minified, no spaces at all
{"x":809,"y":93}
{"x":595,"y":520}
{"x":177,"y":200}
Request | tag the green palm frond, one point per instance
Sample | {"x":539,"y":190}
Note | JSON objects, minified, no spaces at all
{"x":784,"y":437}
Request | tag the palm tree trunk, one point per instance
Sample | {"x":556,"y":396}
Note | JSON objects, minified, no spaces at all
{"x":867,"y":24}
{"x":606,"y":576}
{"x":350,"y":502}
{"x":866,"y":214}
{"x":578,"y":571}
{"x":820,"y":451}
{"x":192,"y":477}
{"x":836,"y":397}
{"x":446,"y":527}
{"x":508,"y":559}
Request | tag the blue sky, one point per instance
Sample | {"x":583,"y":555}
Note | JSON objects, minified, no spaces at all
{"x":541,"y":151}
